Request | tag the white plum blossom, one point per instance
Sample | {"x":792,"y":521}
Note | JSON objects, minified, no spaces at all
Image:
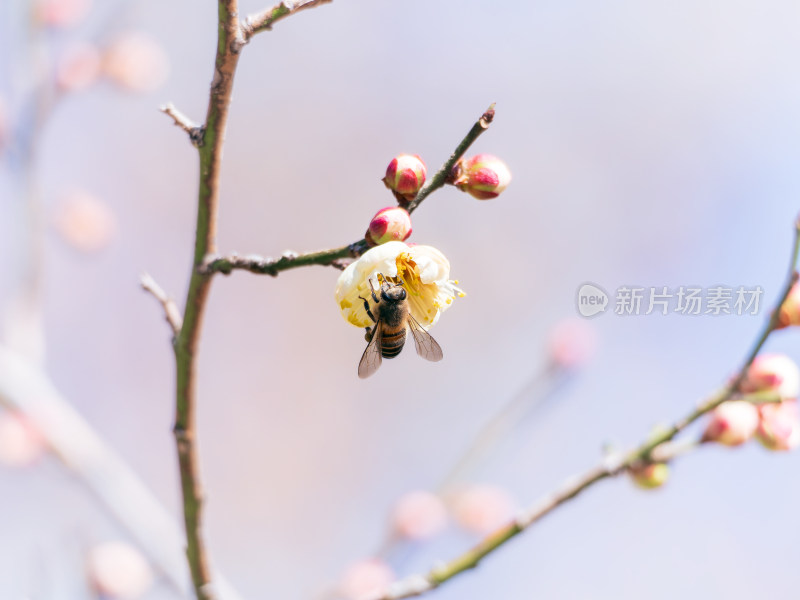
{"x":425,"y":273}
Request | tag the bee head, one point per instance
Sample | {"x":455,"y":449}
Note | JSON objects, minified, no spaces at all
{"x":393,"y":293}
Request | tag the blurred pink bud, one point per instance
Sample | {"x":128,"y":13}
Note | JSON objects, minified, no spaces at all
{"x":732,"y":423}
{"x":117,"y":570}
{"x":136,"y":62}
{"x":572,"y":343}
{"x":773,"y":372}
{"x":391,"y":224}
{"x":366,"y":579}
{"x":21,"y":444}
{"x":790,"y":309}
{"x":419,"y":515}
{"x":78,"y":67}
{"x":60,"y":13}
{"x":483,"y":508}
{"x":5,"y":125}
{"x":85,"y":222}
{"x":650,"y":476}
{"x":482,"y":176}
{"x":405,"y":176}
{"x":779,"y":427}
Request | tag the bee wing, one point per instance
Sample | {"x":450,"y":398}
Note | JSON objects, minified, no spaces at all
{"x":427,"y":347}
{"x":371,"y":359}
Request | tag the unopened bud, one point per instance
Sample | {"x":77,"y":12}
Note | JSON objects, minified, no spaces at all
{"x":136,"y":62}
{"x":405,"y":176}
{"x":85,"y":222}
{"x":5,"y":125}
{"x":572,"y":343}
{"x":772,"y":372}
{"x":790,"y":309}
{"x":732,"y":423}
{"x":391,"y":224}
{"x":78,"y":67}
{"x":21,"y":443}
{"x":419,"y":515}
{"x":650,"y":476}
{"x":366,"y":579}
{"x":483,"y":508}
{"x":60,"y":13}
{"x":482,"y":176}
{"x":117,"y":570}
{"x":779,"y":427}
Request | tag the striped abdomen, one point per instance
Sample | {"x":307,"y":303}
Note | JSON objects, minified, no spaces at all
{"x":392,"y":343}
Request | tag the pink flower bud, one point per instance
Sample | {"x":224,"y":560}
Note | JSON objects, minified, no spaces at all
{"x":61,"y":13}
{"x":483,"y":176}
{"x":483,"y":508}
{"x":5,"y":125}
{"x":779,"y":427}
{"x":572,"y":343}
{"x":732,"y":423}
{"x":85,"y":222}
{"x":405,"y":176}
{"x":419,"y":515}
{"x":650,"y":476}
{"x":391,"y":224}
{"x":790,"y":310}
{"x":118,"y":571}
{"x":136,"y":62}
{"x":366,"y":579}
{"x":78,"y":67}
{"x":21,"y":444}
{"x":773,"y":372}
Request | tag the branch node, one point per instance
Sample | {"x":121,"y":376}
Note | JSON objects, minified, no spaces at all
{"x":195,"y":132}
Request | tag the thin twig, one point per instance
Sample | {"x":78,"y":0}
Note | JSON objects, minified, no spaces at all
{"x":193,"y":130}
{"x":417,"y":584}
{"x":442,"y":175}
{"x":171,"y":312}
{"x":264,"y":20}
{"x":272,"y":266}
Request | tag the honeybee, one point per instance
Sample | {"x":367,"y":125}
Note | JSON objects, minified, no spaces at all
{"x":392,"y":321}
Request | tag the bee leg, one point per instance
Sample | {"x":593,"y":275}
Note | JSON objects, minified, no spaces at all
{"x":372,"y":291}
{"x":369,"y":312}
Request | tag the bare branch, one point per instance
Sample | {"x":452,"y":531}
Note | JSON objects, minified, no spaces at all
{"x":188,"y":339}
{"x":171,"y":312}
{"x":264,"y":21}
{"x":288,"y":260}
{"x":655,"y":449}
{"x":194,"y":130}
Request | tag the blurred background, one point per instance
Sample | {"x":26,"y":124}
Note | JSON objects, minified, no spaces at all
{"x":650,"y":144}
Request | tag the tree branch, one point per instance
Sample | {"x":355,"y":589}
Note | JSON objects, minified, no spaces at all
{"x":171,"y":311}
{"x":187,"y":341}
{"x":416,"y":585}
{"x":264,"y":21}
{"x":289,"y":260}
{"x":271,"y":266}
{"x":195,"y":131}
